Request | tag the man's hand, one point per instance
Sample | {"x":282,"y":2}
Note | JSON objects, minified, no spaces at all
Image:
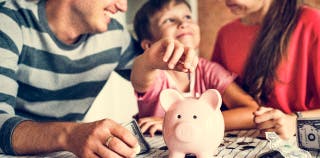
{"x":86,"y":140}
{"x":90,"y":140}
{"x":274,"y":120}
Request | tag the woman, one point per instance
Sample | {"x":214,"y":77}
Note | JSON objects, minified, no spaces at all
{"x":275,"y":48}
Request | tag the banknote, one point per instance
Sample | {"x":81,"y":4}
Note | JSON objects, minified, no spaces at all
{"x":308,"y":133}
{"x":135,"y":130}
{"x":285,"y":148}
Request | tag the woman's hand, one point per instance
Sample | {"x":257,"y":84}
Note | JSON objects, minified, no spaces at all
{"x":273,"y":120}
{"x":151,"y":125}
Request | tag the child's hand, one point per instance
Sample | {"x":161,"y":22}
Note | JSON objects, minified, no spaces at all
{"x":171,"y":54}
{"x":151,"y":125}
{"x":274,"y":120}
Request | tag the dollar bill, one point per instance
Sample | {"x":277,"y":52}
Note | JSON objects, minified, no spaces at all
{"x":135,"y":130}
{"x":308,"y":133}
{"x":286,"y":148}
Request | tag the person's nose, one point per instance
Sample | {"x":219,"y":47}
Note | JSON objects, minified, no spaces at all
{"x":182,"y":24}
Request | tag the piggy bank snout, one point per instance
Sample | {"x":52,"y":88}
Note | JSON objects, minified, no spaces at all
{"x":186,"y":132}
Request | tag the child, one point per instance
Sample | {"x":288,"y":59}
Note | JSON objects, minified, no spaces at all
{"x":163,"y":19}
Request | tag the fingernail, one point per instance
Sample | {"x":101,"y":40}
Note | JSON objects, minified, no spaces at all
{"x":137,"y":149}
{"x":171,"y":66}
{"x":187,"y":65}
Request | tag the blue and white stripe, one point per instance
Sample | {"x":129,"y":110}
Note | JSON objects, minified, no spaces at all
{"x":42,"y":78}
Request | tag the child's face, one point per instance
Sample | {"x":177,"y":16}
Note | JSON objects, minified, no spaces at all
{"x":245,"y":7}
{"x":176,"y":22}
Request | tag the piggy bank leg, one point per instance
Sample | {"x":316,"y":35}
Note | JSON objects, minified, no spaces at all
{"x":175,"y":154}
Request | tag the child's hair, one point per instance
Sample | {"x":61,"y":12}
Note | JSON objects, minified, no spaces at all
{"x":146,"y":12}
{"x":270,"y":47}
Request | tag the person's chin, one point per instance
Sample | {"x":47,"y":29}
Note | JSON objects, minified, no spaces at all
{"x":236,"y":11}
{"x":101,"y":29}
{"x":188,"y":43}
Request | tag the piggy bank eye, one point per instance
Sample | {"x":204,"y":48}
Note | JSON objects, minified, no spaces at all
{"x":195,"y":117}
{"x":178,"y":116}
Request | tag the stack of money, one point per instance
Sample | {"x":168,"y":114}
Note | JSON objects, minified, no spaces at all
{"x":135,"y":130}
{"x":308,"y":133}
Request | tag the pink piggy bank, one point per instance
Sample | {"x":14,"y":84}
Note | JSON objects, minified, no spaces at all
{"x":192,"y":126}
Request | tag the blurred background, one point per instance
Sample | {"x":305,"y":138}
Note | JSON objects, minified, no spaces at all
{"x":211,"y":15}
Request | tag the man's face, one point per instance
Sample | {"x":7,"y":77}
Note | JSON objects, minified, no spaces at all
{"x":176,"y":22}
{"x":95,"y":14}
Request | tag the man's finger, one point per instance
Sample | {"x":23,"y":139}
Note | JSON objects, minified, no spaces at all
{"x":103,"y":151}
{"x":121,"y":148}
{"x":124,"y":135}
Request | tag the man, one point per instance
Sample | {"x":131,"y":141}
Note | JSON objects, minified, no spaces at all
{"x":55,"y":56}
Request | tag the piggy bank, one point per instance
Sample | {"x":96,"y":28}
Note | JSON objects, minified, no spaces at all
{"x":192,"y":126}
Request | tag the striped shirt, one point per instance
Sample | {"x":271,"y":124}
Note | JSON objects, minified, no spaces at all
{"x":42,"y":78}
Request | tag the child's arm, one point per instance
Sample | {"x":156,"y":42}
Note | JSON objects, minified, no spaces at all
{"x":241,"y":107}
{"x":163,"y":55}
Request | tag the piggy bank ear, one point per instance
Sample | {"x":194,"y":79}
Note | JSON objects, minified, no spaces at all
{"x":213,"y":97}
{"x":168,"y":97}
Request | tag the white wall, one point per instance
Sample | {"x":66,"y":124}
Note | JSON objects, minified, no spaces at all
{"x":116,"y":101}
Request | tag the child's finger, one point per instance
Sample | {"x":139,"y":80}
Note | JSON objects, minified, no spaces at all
{"x":168,"y":46}
{"x":180,"y":67}
{"x":155,"y":128}
{"x":143,"y":120}
{"x":177,"y":54}
{"x":145,"y":127}
{"x":189,"y":55}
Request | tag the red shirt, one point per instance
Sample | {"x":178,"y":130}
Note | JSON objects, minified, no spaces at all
{"x":298,"y":87}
